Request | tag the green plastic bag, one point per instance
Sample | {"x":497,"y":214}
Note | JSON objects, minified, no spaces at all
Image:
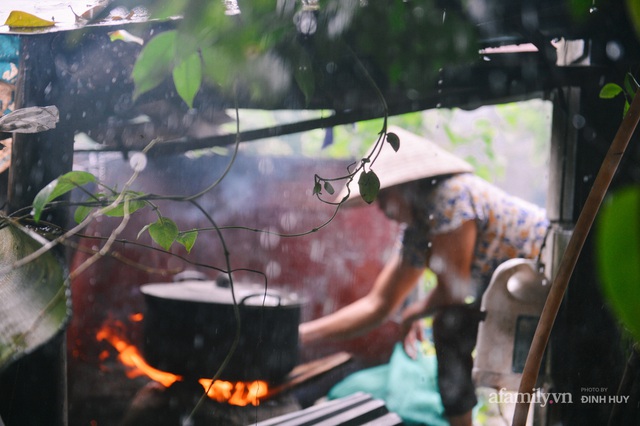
{"x":409,"y":387}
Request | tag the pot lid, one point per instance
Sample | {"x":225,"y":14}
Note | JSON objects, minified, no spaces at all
{"x":211,"y":292}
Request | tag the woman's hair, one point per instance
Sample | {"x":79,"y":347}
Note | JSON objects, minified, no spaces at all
{"x":417,"y":191}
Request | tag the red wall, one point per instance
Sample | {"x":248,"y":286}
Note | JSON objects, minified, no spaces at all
{"x":330,"y":267}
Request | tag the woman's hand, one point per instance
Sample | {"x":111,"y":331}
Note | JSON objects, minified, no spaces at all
{"x":413,"y":336}
{"x":411,"y":327}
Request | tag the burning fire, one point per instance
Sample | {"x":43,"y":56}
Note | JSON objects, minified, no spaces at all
{"x":239,"y":393}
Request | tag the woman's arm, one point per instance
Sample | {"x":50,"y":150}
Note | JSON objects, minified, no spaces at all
{"x":393,"y":284}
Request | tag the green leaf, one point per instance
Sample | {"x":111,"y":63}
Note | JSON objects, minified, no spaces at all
{"x":187,"y":77}
{"x":329,"y":188}
{"x":154,"y":63}
{"x":81,"y":213}
{"x":164,"y":232}
{"x":19,"y":19}
{"x":134,"y":205}
{"x":610,"y":91}
{"x":633,"y":9}
{"x":187,"y":239}
{"x":369,"y":186}
{"x":394,"y":141}
{"x":125,"y":36}
{"x":618,"y":255}
{"x":630,"y":86}
{"x":57,"y":188}
{"x":220,"y":67}
{"x":118,"y":211}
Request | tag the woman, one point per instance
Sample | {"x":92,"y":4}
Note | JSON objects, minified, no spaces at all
{"x":459,"y":226}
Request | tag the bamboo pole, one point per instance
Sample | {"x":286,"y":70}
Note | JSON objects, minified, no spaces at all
{"x":571,"y":254}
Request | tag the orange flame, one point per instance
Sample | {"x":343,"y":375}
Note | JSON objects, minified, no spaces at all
{"x":239,"y":393}
{"x":136,"y":317}
{"x":130,"y":356}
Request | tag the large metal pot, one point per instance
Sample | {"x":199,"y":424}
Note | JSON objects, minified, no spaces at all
{"x":190,"y":327}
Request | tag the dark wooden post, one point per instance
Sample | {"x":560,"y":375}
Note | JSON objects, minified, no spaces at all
{"x":38,"y":158}
{"x":585,"y":346}
{"x":33,"y":390}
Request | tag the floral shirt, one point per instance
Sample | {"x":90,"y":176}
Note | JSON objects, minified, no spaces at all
{"x":508,"y":227}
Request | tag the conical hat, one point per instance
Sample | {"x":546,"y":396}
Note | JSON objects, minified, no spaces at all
{"x":417,"y":158}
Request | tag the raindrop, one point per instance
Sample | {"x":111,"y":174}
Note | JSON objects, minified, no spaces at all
{"x":317,"y":251}
{"x":614,"y":50}
{"x":273,"y":269}
{"x":269,"y":239}
{"x":138,"y":161}
{"x":437,"y":264}
{"x":306,"y":22}
{"x":266,"y":166}
{"x":578,"y":121}
{"x":198,"y":341}
{"x":289,"y":221}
